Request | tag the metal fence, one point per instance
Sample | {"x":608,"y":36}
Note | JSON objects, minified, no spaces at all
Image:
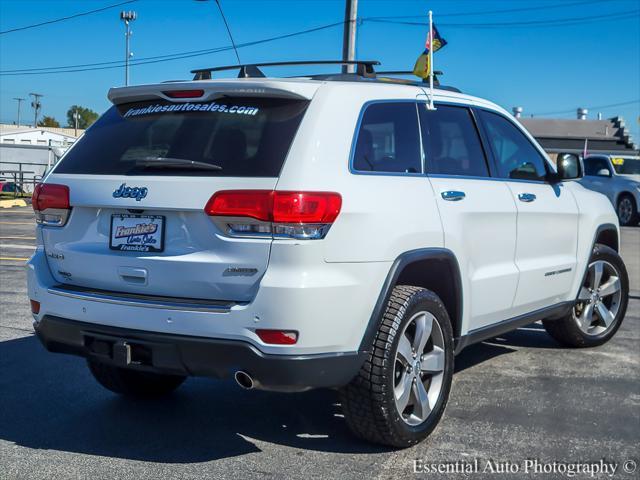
{"x":18,"y":178}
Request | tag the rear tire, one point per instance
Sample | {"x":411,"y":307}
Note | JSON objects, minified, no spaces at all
{"x":627,"y":210}
{"x":401,"y":391}
{"x":600,"y":306}
{"x":133,"y":382}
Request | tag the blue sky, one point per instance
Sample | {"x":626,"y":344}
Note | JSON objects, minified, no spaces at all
{"x":539,"y":66}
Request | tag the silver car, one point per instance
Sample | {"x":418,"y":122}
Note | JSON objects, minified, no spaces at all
{"x":619,"y":179}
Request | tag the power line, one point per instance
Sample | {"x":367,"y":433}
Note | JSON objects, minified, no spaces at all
{"x":62,"y":19}
{"x":492,"y":12}
{"x":160,"y":58}
{"x":531,"y":23}
{"x":601,"y":107}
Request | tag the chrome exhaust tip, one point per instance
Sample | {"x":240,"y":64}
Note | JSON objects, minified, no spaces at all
{"x":244,"y":380}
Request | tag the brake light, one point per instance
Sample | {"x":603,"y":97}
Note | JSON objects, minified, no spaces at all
{"x":302,"y":215}
{"x":51,"y":204}
{"x":184,"y":93}
{"x":241,"y":203}
{"x":306,"y":207}
{"x":278,"y":337}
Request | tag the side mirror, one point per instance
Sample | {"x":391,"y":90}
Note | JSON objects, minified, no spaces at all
{"x":569,"y":166}
{"x":603,"y":172}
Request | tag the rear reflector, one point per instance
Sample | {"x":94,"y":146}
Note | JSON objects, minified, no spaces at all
{"x":51,"y":204}
{"x":278,"y":337}
{"x":184,"y":93}
{"x":35,"y":307}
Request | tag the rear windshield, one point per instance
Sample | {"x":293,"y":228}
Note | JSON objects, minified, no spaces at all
{"x":230,"y":137}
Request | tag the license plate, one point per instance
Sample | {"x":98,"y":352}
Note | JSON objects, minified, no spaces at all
{"x":137,"y":233}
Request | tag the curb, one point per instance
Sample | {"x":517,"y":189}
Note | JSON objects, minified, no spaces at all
{"x":12,"y":203}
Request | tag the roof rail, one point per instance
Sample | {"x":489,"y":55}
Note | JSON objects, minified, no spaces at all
{"x":364,"y":68}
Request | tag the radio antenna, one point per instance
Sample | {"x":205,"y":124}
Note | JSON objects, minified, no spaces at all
{"x":235,"y":49}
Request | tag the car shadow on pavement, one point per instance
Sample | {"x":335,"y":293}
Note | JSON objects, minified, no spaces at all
{"x":531,"y":336}
{"x":51,"y":401}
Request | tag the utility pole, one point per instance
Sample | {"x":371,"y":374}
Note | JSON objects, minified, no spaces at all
{"x":127,"y":18}
{"x":349,"y":35}
{"x":36,"y":107}
{"x":20,"y":100}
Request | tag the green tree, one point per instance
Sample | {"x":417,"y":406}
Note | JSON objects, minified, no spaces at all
{"x":86,"y":116}
{"x":49,"y":122}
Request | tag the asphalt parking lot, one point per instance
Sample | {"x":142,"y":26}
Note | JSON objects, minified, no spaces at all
{"x":517,"y":397}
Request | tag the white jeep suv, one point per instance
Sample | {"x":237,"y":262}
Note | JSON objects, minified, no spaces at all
{"x":321,"y":231}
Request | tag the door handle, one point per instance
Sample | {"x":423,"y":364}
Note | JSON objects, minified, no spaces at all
{"x":452,"y":196}
{"x":526,"y":197}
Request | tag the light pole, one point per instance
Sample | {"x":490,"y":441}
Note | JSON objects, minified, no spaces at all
{"x":127,"y":18}
{"x":75,"y":122}
{"x":19,"y":100}
{"x":36,"y":107}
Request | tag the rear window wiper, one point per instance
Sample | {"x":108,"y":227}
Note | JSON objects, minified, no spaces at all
{"x":177,"y":163}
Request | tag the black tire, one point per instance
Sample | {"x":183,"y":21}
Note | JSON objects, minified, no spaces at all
{"x":566,"y":330}
{"x":627,"y":210}
{"x":133,"y":382}
{"x":368,"y":402}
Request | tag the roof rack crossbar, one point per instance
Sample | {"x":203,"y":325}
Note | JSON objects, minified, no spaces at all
{"x":364,"y":68}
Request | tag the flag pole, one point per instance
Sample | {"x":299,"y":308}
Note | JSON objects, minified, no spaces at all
{"x":431,"y":107}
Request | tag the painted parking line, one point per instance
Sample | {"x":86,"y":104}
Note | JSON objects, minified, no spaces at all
{"x":13,"y":245}
{"x":17,"y":223}
{"x":15,"y":259}
{"x":17,"y":238}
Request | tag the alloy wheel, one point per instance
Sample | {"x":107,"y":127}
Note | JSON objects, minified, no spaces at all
{"x":625,"y":210}
{"x":599,"y":299}
{"x":419,"y":368}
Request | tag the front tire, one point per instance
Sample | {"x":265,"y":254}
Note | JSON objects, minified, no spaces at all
{"x":133,"y":382}
{"x":401,"y":391}
{"x":600,"y":306}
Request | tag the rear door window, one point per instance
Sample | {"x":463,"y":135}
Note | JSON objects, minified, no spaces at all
{"x":593,"y":165}
{"x":388,"y":139}
{"x":517,"y":158}
{"x":451,"y":142}
{"x":231,"y":137}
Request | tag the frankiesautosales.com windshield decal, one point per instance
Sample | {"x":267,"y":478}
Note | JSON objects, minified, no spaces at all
{"x":192,"y":107}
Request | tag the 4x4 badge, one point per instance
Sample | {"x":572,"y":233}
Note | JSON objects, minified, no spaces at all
{"x":130,"y":192}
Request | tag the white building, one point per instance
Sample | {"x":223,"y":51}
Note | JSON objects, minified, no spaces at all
{"x":27,"y":153}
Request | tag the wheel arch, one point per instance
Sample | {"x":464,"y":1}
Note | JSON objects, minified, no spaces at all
{"x":607,"y":234}
{"x":435,"y":269}
{"x":625,"y":193}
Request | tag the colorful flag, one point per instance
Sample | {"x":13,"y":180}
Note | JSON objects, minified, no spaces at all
{"x":422,"y":67}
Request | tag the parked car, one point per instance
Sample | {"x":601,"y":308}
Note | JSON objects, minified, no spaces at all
{"x":619,"y":179}
{"x":323,"y":231}
{"x":10,"y":187}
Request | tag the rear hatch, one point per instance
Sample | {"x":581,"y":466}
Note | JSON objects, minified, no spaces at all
{"x":139,"y":180}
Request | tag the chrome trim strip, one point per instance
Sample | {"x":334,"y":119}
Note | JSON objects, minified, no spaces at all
{"x":115,"y":300}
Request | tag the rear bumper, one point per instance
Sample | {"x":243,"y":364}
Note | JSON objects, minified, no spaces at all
{"x":197,"y":356}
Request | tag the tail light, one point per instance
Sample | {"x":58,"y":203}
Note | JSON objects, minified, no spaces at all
{"x":35,"y":306}
{"x":51,"y":204}
{"x":301,"y":215}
